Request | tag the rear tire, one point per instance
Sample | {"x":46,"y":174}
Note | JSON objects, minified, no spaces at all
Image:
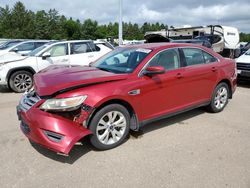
{"x":21,"y":81}
{"x":219,"y":98}
{"x":110,"y":127}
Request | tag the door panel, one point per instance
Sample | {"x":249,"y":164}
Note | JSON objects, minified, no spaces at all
{"x":81,"y":53}
{"x":162,"y":93}
{"x":200,"y":75}
{"x":58,"y":56}
{"x":199,"y":81}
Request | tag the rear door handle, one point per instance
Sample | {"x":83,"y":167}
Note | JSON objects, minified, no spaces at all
{"x":90,"y":56}
{"x":65,"y":60}
{"x":178,"y":75}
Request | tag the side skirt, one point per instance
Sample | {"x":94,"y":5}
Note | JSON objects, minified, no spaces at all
{"x":145,"y":122}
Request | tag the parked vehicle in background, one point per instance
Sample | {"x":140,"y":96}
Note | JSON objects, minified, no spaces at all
{"x":243,"y":65}
{"x":23,"y":47}
{"x":125,"y":89}
{"x":9,"y":43}
{"x":3,"y":41}
{"x":223,"y":39}
{"x":244,"y":48}
{"x":18,"y":74}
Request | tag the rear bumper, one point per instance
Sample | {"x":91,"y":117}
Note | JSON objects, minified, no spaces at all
{"x":50,"y":131}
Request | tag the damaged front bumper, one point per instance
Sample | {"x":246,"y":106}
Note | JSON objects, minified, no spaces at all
{"x":49,"y":130}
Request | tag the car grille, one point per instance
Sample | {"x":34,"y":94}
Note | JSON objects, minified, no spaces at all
{"x":243,"y":66}
{"x":28,"y":100}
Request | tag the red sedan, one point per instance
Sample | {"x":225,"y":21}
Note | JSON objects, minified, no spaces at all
{"x":125,"y":89}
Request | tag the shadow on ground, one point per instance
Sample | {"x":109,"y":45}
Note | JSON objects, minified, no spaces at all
{"x":243,"y":83}
{"x":79,"y":151}
{"x":5,"y":90}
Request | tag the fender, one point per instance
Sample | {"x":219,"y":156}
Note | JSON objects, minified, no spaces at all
{"x":30,"y":69}
{"x":134,"y":122}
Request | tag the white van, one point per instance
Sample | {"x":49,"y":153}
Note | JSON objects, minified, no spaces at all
{"x":18,"y":74}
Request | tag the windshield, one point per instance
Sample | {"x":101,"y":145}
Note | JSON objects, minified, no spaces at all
{"x":248,"y":52}
{"x":9,"y":44}
{"x":122,"y":60}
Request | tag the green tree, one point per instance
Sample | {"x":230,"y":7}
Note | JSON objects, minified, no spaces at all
{"x":89,"y":29}
{"x":21,"y":21}
{"x":5,"y":25}
{"x":244,"y":37}
{"x":73,"y":29}
{"x":41,"y":25}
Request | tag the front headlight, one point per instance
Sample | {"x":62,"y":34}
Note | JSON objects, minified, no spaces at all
{"x":65,"y":104}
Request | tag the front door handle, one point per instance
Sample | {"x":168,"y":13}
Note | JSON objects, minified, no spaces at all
{"x":178,"y":75}
{"x":214,"y":69}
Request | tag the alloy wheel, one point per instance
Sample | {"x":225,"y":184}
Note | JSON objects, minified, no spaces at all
{"x":22,"y":82}
{"x":221,"y":98}
{"x":111,"y":127}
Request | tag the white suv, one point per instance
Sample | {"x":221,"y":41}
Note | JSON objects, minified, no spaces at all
{"x":18,"y":74}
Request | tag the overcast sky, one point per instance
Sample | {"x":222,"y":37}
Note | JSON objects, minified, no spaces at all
{"x":172,"y":12}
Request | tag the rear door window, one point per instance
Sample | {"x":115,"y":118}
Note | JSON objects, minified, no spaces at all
{"x":209,"y":58}
{"x":79,"y":48}
{"x":193,"y":56}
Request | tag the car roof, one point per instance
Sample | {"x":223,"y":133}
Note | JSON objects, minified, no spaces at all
{"x":154,"y":46}
{"x":27,"y":41}
{"x":70,"y":41}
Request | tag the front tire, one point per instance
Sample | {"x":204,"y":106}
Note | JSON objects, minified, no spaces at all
{"x":219,"y":98}
{"x":21,"y":81}
{"x":110,"y":127}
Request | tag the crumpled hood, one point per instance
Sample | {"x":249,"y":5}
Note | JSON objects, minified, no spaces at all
{"x":59,"y":78}
{"x":10,"y":57}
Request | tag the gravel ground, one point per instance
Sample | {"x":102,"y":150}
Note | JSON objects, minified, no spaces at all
{"x":194,"y":149}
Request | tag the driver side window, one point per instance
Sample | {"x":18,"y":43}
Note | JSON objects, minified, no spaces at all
{"x":58,"y":50}
{"x":169,"y":59}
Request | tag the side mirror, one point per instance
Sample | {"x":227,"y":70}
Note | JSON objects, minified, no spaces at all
{"x":45,"y":55}
{"x":15,"y":50}
{"x":91,"y":63}
{"x":150,"y":71}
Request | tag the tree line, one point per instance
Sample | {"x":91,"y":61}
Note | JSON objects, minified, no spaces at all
{"x":18,"y":22}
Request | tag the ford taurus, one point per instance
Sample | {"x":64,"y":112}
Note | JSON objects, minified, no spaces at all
{"x":123,"y":90}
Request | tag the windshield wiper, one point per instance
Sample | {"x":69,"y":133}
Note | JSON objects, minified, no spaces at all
{"x":104,"y":69}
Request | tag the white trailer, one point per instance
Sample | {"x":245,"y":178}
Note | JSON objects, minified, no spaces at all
{"x":224,"y":39}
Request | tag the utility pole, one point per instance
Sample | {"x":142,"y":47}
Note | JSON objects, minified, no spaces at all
{"x":120,"y":23}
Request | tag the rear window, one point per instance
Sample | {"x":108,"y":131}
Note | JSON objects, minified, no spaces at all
{"x":79,"y":48}
{"x":195,"y":56}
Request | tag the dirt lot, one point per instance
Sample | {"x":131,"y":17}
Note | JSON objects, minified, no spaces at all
{"x":195,"y":149}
